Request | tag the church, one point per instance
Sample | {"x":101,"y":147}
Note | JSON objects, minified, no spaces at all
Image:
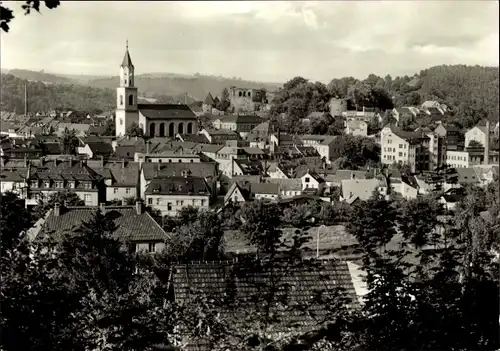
{"x":155,"y":120}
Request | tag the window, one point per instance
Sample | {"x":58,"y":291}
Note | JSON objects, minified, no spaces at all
{"x":152,"y":247}
{"x":158,"y":201}
{"x":127,"y":191}
{"x":180,"y":161}
{"x":131,"y":100}
{"x":307,"y":180}
{"x":87,"y":198}
{"x":400,"y":154}
{"x":400,"y":146}
{"x":182,"y":203}
{"x":150,"y":201}
{"x":202,"y":202}
{"x":169,"y":206}
{"x":88,"y":185}
{"x":115,"y":190}
{"x":121,"y":100}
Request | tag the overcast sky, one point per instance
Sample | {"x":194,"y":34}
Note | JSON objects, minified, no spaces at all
{"x":267,"y":41}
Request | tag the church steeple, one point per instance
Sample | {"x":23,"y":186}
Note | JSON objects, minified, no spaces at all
{"x":127,"y":61}
{"x":127,"y":70}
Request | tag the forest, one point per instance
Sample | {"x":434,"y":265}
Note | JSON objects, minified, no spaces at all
{"x":470,"y":92}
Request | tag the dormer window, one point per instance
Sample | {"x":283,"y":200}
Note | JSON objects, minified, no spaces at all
{"x":71,"y":184}
{"x":34,"y":184}
{"x":46,"y":184}
{"x":88,"y":185}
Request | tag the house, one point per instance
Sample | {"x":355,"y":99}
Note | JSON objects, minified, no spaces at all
{"x":452,"y":135}
{"x":124,"y":180}
{"x":421,"y":152}
{"x":337,"y":107}
{"x":468,"y":176}
{"x":219,"y":136}
{"x":478,"y":134}
{"x":304,"y":280}
{"x":134,"y":226}
{"x":96,"y":149}
{"x":13,"y":180}
{"x":457,"y":159}
{"x":149,"y":171}
{"x":312,"y":180}
{"x":170,"y":194}
{"x":237,"y":194}
{"x":403,"y":114}
{"x":287,"y":187}
{"x":53,"y":176}
{"x":356,"y":128}
{"x":238,"y":123}
{"x":329,"y":147}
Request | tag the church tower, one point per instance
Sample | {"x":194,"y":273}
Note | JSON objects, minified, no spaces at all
{"x":126,"y":97}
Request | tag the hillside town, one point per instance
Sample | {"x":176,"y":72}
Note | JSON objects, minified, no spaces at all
{"x":354,"y":216}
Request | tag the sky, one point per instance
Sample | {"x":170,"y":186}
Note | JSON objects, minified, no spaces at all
{"x":270,"y":41}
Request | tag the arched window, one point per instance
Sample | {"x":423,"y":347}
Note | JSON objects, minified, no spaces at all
{"x":180,"y":129}
{"x":131,"y":100}
{"x":162,"y":130}
{"x":190,"y":128}
{"x":121,"y":100}
{"x":239,"y":93}
{"x":125,"y":81}
{"x":249,"y":94}
{"x":171,"y":129}
{"x":152,"y":128}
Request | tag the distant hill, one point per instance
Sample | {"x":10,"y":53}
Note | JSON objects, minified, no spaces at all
{"x":196,"y":86}
{"x":149,"y":84}
{"x":45,"y":97}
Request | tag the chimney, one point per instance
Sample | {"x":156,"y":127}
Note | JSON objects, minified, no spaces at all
{"x":25,"y":99}
{"x":102,"y":207}
{"x":487,"y":144}
{"x":138,"y":206}
{"x":57,"y":209}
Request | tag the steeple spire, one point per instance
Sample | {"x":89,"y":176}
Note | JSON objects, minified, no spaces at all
{"x":127,"y":61}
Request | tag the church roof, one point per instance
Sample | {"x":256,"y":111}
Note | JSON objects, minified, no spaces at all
{"x":166,"y":111}
{"x":209,"y":100}
{"x":127,"y":61}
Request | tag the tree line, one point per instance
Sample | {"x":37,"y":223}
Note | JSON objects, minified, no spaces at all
{"x":428,"y":289}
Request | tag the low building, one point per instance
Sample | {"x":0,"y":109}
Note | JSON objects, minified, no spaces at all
{"x":219,"y":136}
{"x":356,"y":128}
{"x":329,"y":147}
{"x":170,"y":194}
{"x":124,"y":181}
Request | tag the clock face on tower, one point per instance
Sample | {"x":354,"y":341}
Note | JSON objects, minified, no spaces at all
{"x":121,"y":121}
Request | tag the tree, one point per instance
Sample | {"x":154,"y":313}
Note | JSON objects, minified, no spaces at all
{"x":134,"y":131}
{"x":14,"y":221}
{"x":7,"y":15}
{"x":110,"y":128}
{"x":199,"y":236}
{"x":69,"y":142}
{"x":371,"y":229}
{"x":224,"y":102}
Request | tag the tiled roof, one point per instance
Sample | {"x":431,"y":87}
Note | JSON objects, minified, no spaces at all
{"x":304,"y":279}
{"x":166,"y":111}
{"x":262,"y":128}
{"x":199,"y":169}
{"x":286,"y":184}
{"x":124,"y":173}
{"x":100,"y":148}
{"x":213,"y":148}
{"x":125,"y":151}
{"x":222,"y":132}
{"x":12,"y":176}
{"x":195,"y":138}
{"x":363,"y":188}
{"x":265,"y":188}
{"x":178,"y":186}
{"x":130,"y":225}
{"x":241,"y":119}
{"x":250,"y":167}
{"x":467,"y":175}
